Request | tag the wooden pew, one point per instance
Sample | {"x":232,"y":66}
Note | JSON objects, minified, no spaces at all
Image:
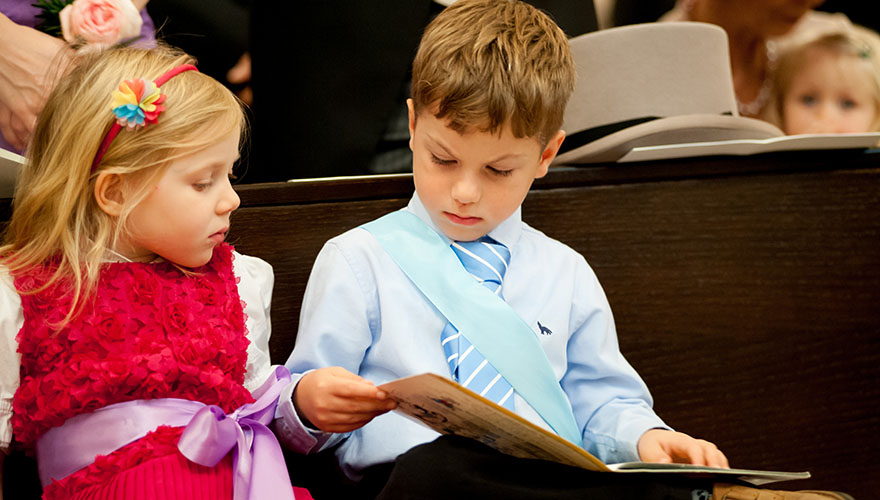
{"x":745,"y":290}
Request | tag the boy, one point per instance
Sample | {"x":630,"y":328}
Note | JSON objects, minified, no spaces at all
{"x":490,"y":83}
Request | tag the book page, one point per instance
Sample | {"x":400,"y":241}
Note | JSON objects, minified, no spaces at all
{"x":448,"y":408}
{"x":741,"y":147}
{"x":10,"y":164}
{"x":756,"y":477}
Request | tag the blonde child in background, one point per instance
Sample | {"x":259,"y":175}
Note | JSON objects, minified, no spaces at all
{"x":129,"y":331}
{"x":829,"y":84}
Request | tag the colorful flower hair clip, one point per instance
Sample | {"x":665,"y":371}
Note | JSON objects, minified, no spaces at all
{"x":136,"y":103}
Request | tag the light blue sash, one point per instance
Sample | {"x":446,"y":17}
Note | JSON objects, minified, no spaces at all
{"x":483,"y":317}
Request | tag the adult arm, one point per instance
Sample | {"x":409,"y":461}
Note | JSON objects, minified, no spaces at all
{"x":30,"y":63}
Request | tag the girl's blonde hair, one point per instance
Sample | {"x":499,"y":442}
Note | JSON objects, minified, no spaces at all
{"x":55,"y":215}
{"x":490,"y":63}
{"x":855,"y":41}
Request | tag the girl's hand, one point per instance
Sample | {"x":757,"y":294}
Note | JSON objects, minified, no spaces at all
{"x":663,"y":446}
{"x":335,"y":400}
{"x":30,"y":62}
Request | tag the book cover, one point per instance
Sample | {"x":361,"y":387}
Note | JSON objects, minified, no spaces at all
{"x":448,"y":408}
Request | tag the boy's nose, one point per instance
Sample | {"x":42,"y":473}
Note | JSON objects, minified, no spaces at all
{"x":466,"y":189}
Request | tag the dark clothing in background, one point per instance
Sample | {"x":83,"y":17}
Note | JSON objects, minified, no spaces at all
{"x":329,"y":78}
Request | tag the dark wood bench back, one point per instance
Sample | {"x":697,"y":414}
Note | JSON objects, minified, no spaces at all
{"x":745,"y":290}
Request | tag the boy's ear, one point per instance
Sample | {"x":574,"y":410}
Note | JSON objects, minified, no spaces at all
{"x":109,"y":193}
{"x":549,"y":153}
{"x":412,"y":121}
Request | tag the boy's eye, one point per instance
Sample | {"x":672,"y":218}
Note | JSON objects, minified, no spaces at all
{"x":440,"y":161}
{"x":499,"y":172}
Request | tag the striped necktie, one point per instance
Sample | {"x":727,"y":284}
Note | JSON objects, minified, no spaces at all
{"x":486,"y":260}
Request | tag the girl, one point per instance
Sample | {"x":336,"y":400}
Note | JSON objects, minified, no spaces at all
{"x":830,"y":84}
{"x":137,"y":330}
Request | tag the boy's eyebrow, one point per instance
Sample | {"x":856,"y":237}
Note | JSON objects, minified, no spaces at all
{"x":438,"y":144}
{"x":496,"y":160}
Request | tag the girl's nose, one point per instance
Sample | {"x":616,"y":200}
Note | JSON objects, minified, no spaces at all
{"x":229,"y":200}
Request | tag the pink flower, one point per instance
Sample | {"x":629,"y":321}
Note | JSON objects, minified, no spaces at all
{"x":100,"y":22}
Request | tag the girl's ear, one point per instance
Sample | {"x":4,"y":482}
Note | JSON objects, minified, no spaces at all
{"x":109,"y":193}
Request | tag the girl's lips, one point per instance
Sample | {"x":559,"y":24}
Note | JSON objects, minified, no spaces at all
{"x":218,"y":237}
{"x":464,"y":221}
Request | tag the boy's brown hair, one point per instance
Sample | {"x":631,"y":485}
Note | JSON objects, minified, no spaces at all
{"x":487,"y":63}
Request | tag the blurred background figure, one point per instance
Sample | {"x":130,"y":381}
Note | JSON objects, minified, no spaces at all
{"x":216,"y":32}
{"x":829,"y":84}
{"x":330,"y":83}
{"x":757,"y":31}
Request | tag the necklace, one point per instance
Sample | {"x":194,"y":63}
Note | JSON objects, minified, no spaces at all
{"x":753,"y":107}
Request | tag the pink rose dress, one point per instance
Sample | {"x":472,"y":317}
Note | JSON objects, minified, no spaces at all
{"x":150,"y":332}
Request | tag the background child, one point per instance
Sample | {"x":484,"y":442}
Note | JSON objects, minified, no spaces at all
{"x":490,"y":83}
{"x":829,"y":84}
{"x":118,"y":293}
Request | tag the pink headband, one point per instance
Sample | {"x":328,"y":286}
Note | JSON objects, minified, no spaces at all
{"x":137,"y":103}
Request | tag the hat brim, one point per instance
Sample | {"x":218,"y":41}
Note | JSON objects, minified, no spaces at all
{"x":670,"y":130}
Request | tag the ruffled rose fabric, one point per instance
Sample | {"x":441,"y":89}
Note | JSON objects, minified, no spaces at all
{"x":150,"y":332}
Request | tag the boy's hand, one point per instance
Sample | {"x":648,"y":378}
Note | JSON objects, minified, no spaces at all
{"x":335,"y":400}
{"x":663,"y":446}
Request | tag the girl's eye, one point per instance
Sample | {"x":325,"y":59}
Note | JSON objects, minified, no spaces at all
{"x":847,"y":104}
{"x":201,"y":186}
{"x":440,"y":161}
{"x":808,"y":100}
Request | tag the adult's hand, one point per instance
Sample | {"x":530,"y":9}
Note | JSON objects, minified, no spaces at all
{"x":30,"y":63}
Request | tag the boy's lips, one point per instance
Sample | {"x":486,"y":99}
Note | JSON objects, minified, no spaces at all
{"x":464,"y":221}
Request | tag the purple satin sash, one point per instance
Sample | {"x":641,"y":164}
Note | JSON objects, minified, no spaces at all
{"x":258,"y":466}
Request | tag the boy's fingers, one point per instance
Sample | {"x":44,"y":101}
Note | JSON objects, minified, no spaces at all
{"x":717,"y":459}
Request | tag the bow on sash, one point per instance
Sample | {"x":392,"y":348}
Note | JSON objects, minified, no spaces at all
{"x":259,"y":470}
{"x":257,"y":462}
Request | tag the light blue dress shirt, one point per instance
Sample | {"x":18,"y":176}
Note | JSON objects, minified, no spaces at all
{"x":362,"y":313}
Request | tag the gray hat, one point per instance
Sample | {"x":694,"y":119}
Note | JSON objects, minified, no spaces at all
{"x":652,"y":84}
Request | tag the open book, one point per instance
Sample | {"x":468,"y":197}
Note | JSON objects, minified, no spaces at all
{"x":742,"y":147}
{"x":10,"y":164}
{"x":449,"y":408}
